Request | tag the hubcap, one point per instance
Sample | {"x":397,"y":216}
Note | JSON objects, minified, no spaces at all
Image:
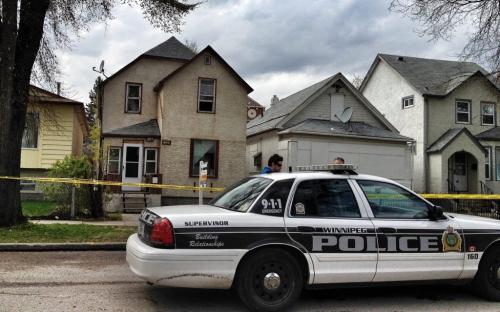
{"x":272,"y":281}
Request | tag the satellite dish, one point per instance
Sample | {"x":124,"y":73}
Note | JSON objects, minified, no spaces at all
{"x":101,"y":67}
{"x":346,"y":115}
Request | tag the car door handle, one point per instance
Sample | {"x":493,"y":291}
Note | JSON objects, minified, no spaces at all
{"x":306,"y":229}
{"x":386,"y":230}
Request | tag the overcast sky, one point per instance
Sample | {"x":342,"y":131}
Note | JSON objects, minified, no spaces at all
{"x":279,"y":47}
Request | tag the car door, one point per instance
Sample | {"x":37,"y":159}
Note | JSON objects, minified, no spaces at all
{"x":327,"y":219}
{"x":411,"y":245}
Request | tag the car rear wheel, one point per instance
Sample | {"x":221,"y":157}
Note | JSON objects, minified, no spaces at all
{"x":487,"y":280}
{"x":270,"y":280}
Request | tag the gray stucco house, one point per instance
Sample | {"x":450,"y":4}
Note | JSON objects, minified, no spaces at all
{"x":450,"y":109}
{"x":305,"y":129}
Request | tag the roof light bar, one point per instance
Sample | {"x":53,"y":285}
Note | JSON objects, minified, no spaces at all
{"x":333,"y":167}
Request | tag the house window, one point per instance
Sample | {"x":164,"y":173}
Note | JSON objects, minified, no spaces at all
{"x":462,"y":111}
{"x":497,"y":163}
{"x":487,"y":163}
{"x":407,"y":101}
{"x":30,"y":134}
{"x":206,"y":150}
{"x":114,"y":160}
{"x":206,"y":96}
{"x":151,"y":161}
{"x":27,"y":185}
{"x":208,"y":60}
{"x":133,"y":98}
{"x":488,"y":114}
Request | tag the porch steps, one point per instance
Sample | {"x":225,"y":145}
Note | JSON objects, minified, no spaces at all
{"x":135,"y":202}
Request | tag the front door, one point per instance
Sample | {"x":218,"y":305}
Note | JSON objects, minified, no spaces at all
{"x":132,"y":165}
{"x":328,"y":221}
{"x":460,"y":172}
{"x":411,"y":246}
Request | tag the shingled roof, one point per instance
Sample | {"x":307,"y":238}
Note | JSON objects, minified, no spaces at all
{"x":171,"y":48}
{"x":337,"y":128}
{"x":449,"y":136}
{"x":144,"y":129}
{"x":429,"y":76}
{"x":490,"y":135}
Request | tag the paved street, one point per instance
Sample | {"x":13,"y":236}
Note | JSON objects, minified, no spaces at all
{"x":101,"y":281}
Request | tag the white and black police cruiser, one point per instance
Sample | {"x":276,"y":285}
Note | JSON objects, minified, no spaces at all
{"x":269,"y":236}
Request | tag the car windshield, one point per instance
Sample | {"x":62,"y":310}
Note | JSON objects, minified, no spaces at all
{"x":240,"y":196}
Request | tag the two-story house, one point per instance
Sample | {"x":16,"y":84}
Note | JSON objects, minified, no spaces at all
{"x":450,"y":109}
{"x":166,"y":111}
{"x":55,"y":127}
{"x":326,"y":120}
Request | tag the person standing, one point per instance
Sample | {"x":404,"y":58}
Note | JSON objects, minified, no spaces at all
{"x":274,"y":164}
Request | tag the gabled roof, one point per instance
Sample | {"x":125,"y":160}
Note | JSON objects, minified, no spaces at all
{"x":350,"y":129}
{"x":202,"y":52}
{"x":429,"y":76}
{"x":278,"y":114}
{"x":490,"y":135}
{"x":253,"y":103}
{"x":171,"y":49}
{"x":44,"y":96}
{"x":449,"y":136}
{"x":144,"y":129}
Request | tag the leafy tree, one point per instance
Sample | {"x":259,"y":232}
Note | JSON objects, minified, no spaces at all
{"x":440,"y":19}
{"x":30,"y":33}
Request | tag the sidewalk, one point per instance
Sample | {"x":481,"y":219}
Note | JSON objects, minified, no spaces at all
{"x":127,"y":220}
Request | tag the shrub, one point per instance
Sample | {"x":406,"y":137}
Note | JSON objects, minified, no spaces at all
{"x":70,"y":167}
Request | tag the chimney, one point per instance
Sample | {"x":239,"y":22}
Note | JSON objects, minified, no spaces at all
{"x":274,"y":100}
{"x":58,"y":88}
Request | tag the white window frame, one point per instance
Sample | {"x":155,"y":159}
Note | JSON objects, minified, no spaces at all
{"x":127,"y":97}
{"x":213,"y":95}
{"x":146,"y":161}
{"x":469,"y":104}
{"x":494,"y":114}
{"x":488,"y":164}
{"x":406,"y":100}
{"x":119,"y":160}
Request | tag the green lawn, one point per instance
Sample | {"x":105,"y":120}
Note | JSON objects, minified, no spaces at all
{"x":65,"y":233}
{"x":37,"y":208}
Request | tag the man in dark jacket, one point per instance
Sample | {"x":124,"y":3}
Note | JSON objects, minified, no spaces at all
{"x":274,"y":164}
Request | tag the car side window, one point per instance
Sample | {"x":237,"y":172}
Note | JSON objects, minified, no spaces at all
{"x":273,"y":202}
{"x":325,"y":198}
{"x":389,"y":201}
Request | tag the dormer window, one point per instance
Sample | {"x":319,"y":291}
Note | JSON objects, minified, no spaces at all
{"x":133,"y":98}
{"x":206,"y":95}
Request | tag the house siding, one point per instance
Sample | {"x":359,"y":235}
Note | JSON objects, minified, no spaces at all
{"x":55,"y":140}
{"x":385,"y":91}
{"x":320,"y":108}
{"x":147,"y":71}
{"x":182,"y":122}
{"x":265,"y":143}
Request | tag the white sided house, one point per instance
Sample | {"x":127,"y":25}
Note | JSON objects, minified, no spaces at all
{"x":450,"y":109}
{"x":162,"y":114}
{"x":312,"y":127}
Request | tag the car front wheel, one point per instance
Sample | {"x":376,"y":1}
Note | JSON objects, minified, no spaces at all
{"x":270,"y":280}
{"x":487,"y":280}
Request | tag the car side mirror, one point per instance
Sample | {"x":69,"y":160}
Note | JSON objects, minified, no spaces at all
{"x":436,"y":212}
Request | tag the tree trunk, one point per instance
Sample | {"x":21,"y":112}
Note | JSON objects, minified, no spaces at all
{"x":19,"y":44}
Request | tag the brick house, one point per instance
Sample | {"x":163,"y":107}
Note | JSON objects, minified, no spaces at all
{"x":164,"y":112}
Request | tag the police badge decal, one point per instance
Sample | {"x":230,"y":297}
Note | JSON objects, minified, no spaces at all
{"x":451,"y":240}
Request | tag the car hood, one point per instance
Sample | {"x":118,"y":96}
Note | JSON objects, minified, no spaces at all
{"x":468,"y":222}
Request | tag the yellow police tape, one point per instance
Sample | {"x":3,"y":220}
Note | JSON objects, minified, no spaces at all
{"x":113,"y":183}
{"x":215,"y":189}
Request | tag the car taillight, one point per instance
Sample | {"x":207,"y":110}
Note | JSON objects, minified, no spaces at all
{"x":163,"y":232}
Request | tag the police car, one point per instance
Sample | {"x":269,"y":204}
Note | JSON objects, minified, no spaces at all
{"x":270,"y":236}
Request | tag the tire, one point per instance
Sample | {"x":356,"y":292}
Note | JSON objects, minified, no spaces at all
{"x":487,"y":280}
{"x":279,"y":290}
